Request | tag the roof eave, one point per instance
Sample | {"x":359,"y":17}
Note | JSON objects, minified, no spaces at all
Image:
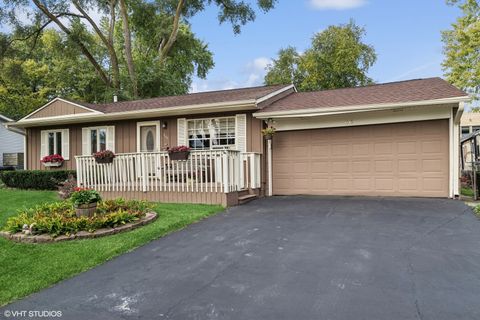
{"x":313,"y":112}
{"x":63,"y":100}
{"x":138,"y":114}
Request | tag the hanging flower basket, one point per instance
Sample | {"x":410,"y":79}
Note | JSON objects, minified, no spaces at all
{"x":268,"y":133}
{"x":106,"y":156}
{"x":179,"y":153}
{"x":54,"y":160}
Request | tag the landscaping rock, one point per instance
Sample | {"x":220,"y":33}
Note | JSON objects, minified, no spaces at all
{"x":125,"y":227}
{"x":5,"y":234}
{"x":103,"y":232}
{"x":45,"y":238}
{"x":84,"y":235}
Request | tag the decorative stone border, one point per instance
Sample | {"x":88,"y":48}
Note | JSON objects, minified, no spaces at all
{"x":44,"y":238}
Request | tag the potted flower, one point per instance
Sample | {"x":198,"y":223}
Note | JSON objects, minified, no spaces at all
{"x":178,"y":153}
{"x":85,"y":201}
{"x":54,"y":160}
{"x":268,"y":132}
{"x":105,"y":156}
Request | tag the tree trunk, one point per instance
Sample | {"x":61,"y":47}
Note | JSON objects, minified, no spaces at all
{"x":128,"y":48}
{"x":107,"y":42}
{"x":111,"y":31}
{"x":165,"y":48}
{"x":103,"y":76}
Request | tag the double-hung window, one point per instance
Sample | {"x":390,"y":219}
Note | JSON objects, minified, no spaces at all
{"x":95,"y":139}
{"x":55,"y":142}
{"x":98,"y":139}
{"x":211,"y":133}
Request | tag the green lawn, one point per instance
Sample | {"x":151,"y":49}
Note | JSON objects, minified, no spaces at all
{"x":26,"y":268}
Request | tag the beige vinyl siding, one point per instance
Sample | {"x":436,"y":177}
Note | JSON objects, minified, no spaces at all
{"x":125,"y":137}
{"x":58,"y":108}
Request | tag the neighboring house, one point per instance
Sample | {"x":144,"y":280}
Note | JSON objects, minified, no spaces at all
{"x":395,"y":139}
{"x":469,"y":123}
{"x":11,"y":143}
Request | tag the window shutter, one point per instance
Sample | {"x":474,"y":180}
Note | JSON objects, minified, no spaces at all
{"x":66,"y":144}
{"x":241,"y":132}
{"x":43,"y":144}
{"x":86,"y":151}
{"x":182,"y":132}
{"x":111,"y":138}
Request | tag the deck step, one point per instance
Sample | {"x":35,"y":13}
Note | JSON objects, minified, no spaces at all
{"x":246,"y":198}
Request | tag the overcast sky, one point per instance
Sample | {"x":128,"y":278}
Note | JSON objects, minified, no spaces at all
{"x":405,"y":33}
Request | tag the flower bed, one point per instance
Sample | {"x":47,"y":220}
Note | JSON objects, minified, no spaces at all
{"x":60,"y":220}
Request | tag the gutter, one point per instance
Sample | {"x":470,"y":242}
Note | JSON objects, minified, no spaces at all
{"x":14,"y":129}
{"x":313,"y":112}
{"x":138,"y":114}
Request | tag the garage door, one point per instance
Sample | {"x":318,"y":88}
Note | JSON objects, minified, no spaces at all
{"x":401,"y":159}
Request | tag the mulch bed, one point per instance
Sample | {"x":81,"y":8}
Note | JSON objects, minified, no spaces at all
{"x":45,"y":238}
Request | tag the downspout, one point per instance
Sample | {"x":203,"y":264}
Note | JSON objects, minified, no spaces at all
{"x":270,"y":175}
{"x":458,"y":115}
{"x":456,"y":150}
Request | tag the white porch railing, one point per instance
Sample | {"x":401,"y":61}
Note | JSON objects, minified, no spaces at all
{"x":205,"y":171}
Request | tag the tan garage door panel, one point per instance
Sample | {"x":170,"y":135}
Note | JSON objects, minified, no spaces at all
{"x":402,"y":159}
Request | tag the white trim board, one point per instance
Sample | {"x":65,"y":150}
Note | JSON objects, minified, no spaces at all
{"x":59,"y":99}
{"x":277,"y":92}
{"x":313,"y":112}
{"x":365,"y":118}
{"x":172,"y":111}
{"x":7,"y":119}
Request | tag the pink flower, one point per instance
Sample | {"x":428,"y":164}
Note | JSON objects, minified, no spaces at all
{"x":52,"y":158}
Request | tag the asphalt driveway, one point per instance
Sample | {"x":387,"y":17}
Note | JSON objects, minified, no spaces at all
{"x":292,"y":258}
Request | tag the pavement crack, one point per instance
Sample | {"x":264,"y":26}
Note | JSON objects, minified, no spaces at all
{"x":429,"y":232}
{"x":411,"y":273}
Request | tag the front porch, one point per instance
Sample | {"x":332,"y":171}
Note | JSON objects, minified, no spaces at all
{"x":208,"y":176}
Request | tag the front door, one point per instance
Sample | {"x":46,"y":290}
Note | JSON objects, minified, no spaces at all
{"x":148,"y":136}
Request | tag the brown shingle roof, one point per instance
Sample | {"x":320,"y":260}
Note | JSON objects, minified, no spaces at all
{"x":395,"y":92}
{"x":187,"y":99}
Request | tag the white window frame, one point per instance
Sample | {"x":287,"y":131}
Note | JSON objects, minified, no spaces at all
{"x":109,"y":141}
{"x":90,"y":129}
{"x":230,"y":146}
{"x":65,"y":142}
{"x":139,"y":136}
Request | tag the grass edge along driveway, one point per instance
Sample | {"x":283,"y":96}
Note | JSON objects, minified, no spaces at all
{"x":27,"y":268}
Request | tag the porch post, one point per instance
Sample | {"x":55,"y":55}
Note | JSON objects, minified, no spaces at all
{"x":225,"y":172}
{"x":269,"y":161}
{"x":144,"y":172}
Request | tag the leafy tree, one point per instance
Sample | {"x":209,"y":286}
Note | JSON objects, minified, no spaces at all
{"x":110,"y":48}
{"x":337,"y":58}
{"x":462,"y":48}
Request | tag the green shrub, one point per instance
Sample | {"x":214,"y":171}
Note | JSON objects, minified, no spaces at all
{"x":35,"y":179}
{"x":84,"y":196}
{"x":59,"y":218}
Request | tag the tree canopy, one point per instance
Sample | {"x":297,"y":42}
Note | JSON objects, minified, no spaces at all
{"x":337,"y":58}
{"x":136,"y":49}
{"x":462,"y":48}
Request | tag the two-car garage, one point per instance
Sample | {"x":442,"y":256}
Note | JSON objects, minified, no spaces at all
{"x":394,"y":139}
{"x":399,"y":159}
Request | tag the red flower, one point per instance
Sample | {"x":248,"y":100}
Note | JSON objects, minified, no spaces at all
{"x":104,"y":154}
{"x":178,"y":149}
{"x":52,"y":158}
